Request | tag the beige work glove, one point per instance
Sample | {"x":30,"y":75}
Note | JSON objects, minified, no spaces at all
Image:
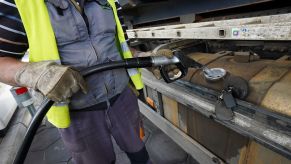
{"x":172,"y":70}
{"x":56,"y":82}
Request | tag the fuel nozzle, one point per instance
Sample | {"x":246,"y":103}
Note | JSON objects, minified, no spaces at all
{"x":183,"y":62}
{"x":211,"y":74}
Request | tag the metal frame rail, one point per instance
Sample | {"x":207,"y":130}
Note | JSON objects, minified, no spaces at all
{"x":196,"y":150}
{"x":274,"y":27}
{"x":276,"y":137}
{"x":268,"y":128}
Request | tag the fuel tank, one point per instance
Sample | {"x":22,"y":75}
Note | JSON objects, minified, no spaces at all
{"x":269,"y":81}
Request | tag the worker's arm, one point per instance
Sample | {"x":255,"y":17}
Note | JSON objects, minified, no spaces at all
{"x":55,"y":81}
{"x":13,"y":42}
{"x":9,"y":66}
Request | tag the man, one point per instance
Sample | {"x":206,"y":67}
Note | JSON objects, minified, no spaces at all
{"x":85,"y":34}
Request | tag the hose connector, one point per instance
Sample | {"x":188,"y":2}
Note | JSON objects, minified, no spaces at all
{"x":162,"y":60}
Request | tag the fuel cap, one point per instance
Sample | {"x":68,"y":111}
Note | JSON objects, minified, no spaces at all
{"x":214,"y":74}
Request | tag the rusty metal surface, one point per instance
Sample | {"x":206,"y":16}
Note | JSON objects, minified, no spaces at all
{"x":269,"y":80}
{"x":183,"y":118}
{"x":244,"y":70}
{"x":222,"y":141}
{"x":270,"y":87}
{"x":171,"y":110}
{"x":260,"y":83}
{"x":279,"y":96}
{"x":245,"y":57}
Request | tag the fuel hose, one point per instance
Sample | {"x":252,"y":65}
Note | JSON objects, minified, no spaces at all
{"x":141,"y":62}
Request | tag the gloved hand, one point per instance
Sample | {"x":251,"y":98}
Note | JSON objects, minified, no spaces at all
{"x":171,"y":69}
{"x":55,"y":81}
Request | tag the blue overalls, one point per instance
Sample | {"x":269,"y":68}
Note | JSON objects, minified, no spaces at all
{"x":110,"y":108}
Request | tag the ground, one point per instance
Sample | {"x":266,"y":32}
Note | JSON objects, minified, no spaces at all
{"x":48,"y":148}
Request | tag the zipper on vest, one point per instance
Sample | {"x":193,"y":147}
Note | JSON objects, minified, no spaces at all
{"x":96,"y":54}
{"x":86,"y":22}
{"x":80,"y":9}
{"x":85,"y":18}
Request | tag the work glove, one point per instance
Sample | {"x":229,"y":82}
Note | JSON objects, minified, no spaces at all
{"x":56,"y":82}
{"x":172,"y":69}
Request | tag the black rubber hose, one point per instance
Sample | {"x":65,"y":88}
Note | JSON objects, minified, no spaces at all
{"x":47,"y":103}
{"x":128,"y":63}
{"x":31,"y":130}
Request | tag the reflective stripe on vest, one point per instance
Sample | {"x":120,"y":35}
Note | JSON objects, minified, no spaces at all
{"x":43,"y":47}
{"x":135,"y":78}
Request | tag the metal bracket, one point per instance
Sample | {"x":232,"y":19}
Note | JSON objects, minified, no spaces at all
{"x":225,"y":103}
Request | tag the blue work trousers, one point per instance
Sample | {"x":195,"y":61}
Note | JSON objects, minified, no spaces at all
{"x":89,"y":137}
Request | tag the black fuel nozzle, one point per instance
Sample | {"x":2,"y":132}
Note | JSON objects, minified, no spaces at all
{"x":184,"y":62}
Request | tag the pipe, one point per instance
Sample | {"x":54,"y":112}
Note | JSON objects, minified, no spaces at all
{"x":47,"y":103}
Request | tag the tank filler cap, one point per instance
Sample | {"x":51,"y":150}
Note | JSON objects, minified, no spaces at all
{"x":213,"y":74}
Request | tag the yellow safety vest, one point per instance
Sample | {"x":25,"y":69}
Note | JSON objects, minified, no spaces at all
{"x":43,"y":47}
